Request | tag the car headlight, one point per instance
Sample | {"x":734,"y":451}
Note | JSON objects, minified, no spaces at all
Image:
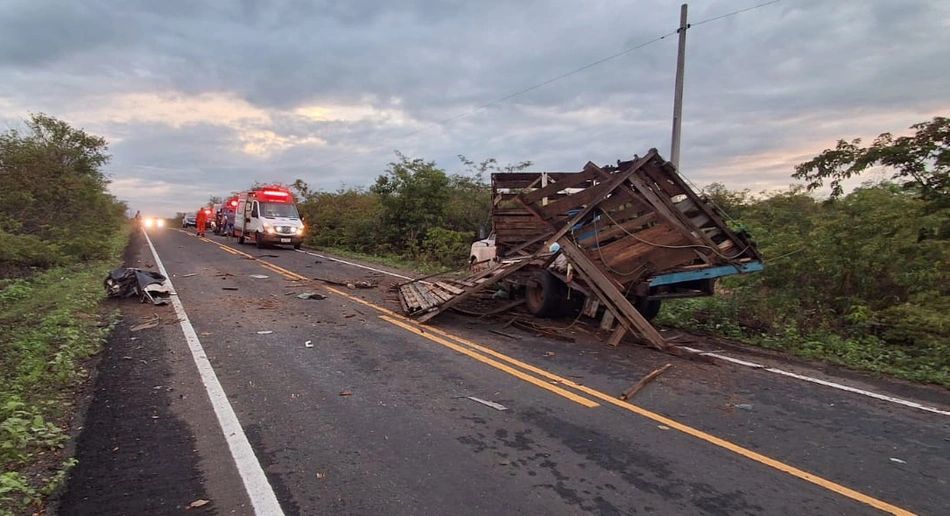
{"x":268,"y":229}
{"x":160,"y":222}
{"x":148,"y":223}
{"x":300,"y":230}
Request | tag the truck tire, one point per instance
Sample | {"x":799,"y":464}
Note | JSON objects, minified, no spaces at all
{"x":241,"y":238}
{"x":297,"y":246}
{"x":648,"y":308}
{"x":257,"y":240}
{"x":546,"y":295}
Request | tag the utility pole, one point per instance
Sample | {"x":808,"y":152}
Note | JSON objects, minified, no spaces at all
{"x":678,"y":94}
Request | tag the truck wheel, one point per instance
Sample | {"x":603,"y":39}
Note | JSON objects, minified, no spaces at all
{"x":297,"y":246}
{"x":241,"y":239}
{"x":648,"y":308}
{"x":257,"y":240}
{"x":546,"y":295}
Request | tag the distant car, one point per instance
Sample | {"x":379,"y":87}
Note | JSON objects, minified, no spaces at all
{"x":189,"y":220}
{"x":153,"y":222}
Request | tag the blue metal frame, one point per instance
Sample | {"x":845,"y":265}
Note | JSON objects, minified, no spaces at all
{"x":713,"y":272}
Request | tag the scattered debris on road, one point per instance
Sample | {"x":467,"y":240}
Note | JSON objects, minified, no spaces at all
{"x":503,"y":334}
{"x":259,"y":276}
{"x":152,"y":322}
{"x":743,"y":406}
{"x":197,"y":503}
{"x":311,"y":295}
{"x":487,"y":403}
{"x":308,"y":344}
{"x":635,"y":388}
{"x":265,"y":332}
{"x":129,"y":282}
{"x":229,"y":288}
{"x":899,"y":461}
{"x":346,"y":393}
{"x":190,"y":274}
{"x":349,"y":284}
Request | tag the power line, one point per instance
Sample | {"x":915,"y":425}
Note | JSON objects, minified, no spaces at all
{"x":733,"y":13}
{"x":588,"y":66}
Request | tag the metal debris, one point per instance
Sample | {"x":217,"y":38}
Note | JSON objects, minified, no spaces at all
{"x":129,"y":282}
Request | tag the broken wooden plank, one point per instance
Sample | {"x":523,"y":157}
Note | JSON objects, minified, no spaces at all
{"x":615,"y":231}
{"x":635,"y":388}
{"x":449,"y":287}
{"x":617,"y":335}
{"x":573,"y":181}
{"x":608,"y":292}
{"x":507,"y":268}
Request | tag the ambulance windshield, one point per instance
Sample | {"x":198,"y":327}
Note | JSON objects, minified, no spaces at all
{"x":270,"y":210}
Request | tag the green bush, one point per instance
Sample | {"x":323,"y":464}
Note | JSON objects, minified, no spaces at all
{"x":860,"y":281}
{"x":446,"y":247}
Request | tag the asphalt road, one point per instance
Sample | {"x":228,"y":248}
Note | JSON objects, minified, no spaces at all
{"x":339,"y":406}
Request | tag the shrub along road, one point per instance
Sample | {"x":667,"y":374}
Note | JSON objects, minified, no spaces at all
{"x":348,"y":409}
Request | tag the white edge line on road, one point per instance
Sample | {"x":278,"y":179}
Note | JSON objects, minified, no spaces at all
{"x":255,"y":481}
{"x":883,"y":397}
{"x":355,"y":265}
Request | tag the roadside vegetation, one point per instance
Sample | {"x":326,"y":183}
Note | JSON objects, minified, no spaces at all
{"x":60,"y":233}
{"x":415,"y":212}
{"x":859,"y":279}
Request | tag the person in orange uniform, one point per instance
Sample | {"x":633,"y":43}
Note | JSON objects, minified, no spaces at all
{"x":201,"y":221}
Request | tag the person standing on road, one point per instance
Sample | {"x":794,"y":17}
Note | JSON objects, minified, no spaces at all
{"x":201,"y":221}
{"x":229,"y":226}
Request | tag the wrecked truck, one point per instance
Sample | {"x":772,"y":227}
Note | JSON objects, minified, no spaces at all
{"x":612,"y":241}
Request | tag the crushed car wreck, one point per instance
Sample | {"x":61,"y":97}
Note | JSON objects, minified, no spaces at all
{"x":132,"y":282}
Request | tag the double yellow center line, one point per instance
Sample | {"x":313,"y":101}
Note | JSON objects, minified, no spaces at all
{"x":559,"y":385}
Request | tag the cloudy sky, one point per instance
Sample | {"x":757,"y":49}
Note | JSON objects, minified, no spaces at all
{"x":201,"y":98}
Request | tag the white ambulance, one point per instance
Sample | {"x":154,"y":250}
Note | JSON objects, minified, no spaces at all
{"x":268,"y":216}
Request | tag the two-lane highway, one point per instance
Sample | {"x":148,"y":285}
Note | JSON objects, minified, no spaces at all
{"x":342,"y":406}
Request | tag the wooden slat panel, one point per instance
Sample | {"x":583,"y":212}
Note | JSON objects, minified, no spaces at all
{"x":451,"y":288}
{"x":662,"y":234}
{"x":497,"y":274}
{"x":635,"y":253}
{"x":655,"y":259}
{"x":633,"y":226}
{"x":578,"y":200}
{"x":664,"y":182}
{"x":571,"y":181}
{"x":524,"y":179}
{"x":751,"y":251}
